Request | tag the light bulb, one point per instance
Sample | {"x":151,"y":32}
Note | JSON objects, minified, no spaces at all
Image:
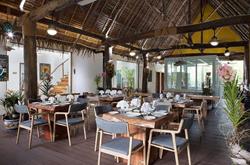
{"x":214,"y":41}
{"x":158,"y":57}
{"x":51,"y":30}
{"x":132,"y":53}
{"x":10,"y":34}
{"x":227,"y":53}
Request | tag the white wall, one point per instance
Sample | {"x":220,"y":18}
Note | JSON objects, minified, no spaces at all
{"x":86,"y":68}
{"x":3,"y":85}
{"x":43,"y":56}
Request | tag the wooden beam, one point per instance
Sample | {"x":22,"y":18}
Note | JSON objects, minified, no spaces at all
{"x":247,"y":61}
{"x":229,"y":21}
{"x":145,"y":74}
{"x":200,"y":46}
{"x":50,"y":6}
{"x":107,"y":81}
{"x":236,"y":54}
{"x":30,"y":59}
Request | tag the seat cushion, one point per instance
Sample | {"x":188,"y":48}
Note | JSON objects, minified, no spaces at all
{"x":166,"y":141}
{"x":121,"y":145}
{"x":37,"y":122}
{"x":71,"y":121}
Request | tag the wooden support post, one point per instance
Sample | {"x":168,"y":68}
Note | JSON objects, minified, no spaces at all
{"x":107,"y":81}
{"x":30,"y":59}
{"x":145,"y":74}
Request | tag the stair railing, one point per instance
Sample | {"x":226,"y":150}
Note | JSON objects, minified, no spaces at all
{"x":55,"y":70}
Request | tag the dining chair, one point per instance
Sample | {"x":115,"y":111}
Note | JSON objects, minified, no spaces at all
{"x":120,"y":147}
{"x":198,"y":111}
{"x":71,"y":121}
{"x":163,"y":106}
{"x":167,"y":139}
{"x":33,"y":121}
{"x":99,"y":110}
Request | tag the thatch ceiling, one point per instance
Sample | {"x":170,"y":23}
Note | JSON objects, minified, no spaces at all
{"x":121,"y":18}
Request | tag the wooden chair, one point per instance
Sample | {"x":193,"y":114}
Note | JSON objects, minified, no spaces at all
{"x":121,"y":147}
{"x":71,"y":121}
{"x":99,"y":110}
{"x":167,"y":139}
{"x":198,"y":111}
{"x":34,"y":121}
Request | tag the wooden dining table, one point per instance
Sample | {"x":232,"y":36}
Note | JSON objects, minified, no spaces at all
{"x":141,"y":127}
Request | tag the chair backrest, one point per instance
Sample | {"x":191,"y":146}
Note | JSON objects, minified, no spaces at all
{"x":188,"y":120}
{"x":160,"y":107}
{"x":101,"y":109}
{"x":82,"y":100}
{"x":76,"y":107}
{"x":21,"y":109}
{"x":155,"y":95}
{"x":111,"y":126}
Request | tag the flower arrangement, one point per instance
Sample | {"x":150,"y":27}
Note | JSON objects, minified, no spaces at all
{"x":234,"y":110}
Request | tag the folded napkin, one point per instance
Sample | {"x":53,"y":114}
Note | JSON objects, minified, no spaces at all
{"x":113,"y":92}
{"x":146,"y":107}
{"x":43,"y":98}
{"x":161,"y":96}
{"x":107,"y":91}
{"x":51,"y":99}
{"x":101,"y":92}
{"x":122,"y":104}
{"x":119,"y":92}
{"x":70,"y":97}
{"x":135,"y":102}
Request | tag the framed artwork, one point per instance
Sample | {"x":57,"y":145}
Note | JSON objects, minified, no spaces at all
{"x":150,"y":76}
{"x":44,"y":70}
{"x":4,"y":68}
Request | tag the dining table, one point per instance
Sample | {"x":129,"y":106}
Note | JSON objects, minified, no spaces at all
{"x":140,"y":127}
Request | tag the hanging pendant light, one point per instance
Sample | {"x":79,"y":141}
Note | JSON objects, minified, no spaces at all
{"x":214,"y":41}
{"x":52,"y":30}
{"x":227,"y":52}
{"x":132,"y":53}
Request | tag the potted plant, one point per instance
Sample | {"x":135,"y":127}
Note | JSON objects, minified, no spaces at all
{"x":236,"y":114}
{"x":46,"y":85}
{"x":10,"y":99}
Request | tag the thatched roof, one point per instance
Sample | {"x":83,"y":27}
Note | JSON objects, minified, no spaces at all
{"x":112,"y":19}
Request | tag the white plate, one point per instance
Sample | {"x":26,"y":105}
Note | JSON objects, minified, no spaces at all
{"x":159,"y":114}
{"x":132,"y":114}
{"x":113,"y":112}
{"x":149,"y":117}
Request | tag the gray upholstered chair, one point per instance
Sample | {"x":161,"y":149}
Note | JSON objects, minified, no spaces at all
{"x":167,"y":139}
{"x":198,"y":111}
{"x":99,"y":110}
{"x":71,"y":121}
{"x":33,"y":121}
{"x":120,"y":147}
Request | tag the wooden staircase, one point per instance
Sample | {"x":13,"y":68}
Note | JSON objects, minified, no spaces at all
{"x":62,"y":86}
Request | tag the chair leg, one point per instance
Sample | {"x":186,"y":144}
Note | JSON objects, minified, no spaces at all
{"x":144,"y":155}
{"x":84,"y":131}
{"x":160,"y":153}
{"x":148,"y":154}
{"x":68,"y":135}
{"x":50,"y":132}
{"x":129,"y":160}
{"x":176,"y":157}
{"x":188,"y":154}
{"x":99,"y":158}
{"x":96,"y":138}
{"x":38,"y":132}
{"x":30,"y":137}
{"x":54,"y":131}
{"x":18,"y":134}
